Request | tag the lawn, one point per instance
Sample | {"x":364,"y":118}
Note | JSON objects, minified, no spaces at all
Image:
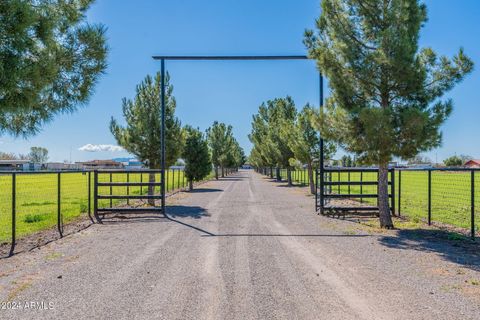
{"x":451,"y":194}
{"x":37,"y":197}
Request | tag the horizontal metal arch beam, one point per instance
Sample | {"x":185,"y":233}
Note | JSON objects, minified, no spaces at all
{"x":290,"y":57}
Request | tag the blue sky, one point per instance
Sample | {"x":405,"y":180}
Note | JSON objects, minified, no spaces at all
{"x":232,"y":91}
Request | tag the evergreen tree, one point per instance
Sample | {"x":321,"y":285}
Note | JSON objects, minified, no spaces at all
{"x":304,"y":141}
{"x":267,"y":136}
{"x":220,"y":138}
{"x":142,"y":134}
{"x":385,"y":92}
{"x":263,"y":152}
{"x":235,"y":155}
{"x":196,"y":156}
{"x":50,"y":61}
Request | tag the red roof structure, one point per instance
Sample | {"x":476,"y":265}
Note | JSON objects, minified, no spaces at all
{"x":474,"y":163}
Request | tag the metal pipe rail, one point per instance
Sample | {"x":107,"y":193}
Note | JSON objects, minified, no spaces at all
{"x":128,"y":207}
{"x":325,"y":192}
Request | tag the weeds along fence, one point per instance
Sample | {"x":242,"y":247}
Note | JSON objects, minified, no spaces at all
{"x":440,"y":196}
{"x":61,"y":202}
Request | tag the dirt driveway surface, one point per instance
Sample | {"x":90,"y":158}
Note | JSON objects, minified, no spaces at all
{"x":243,"y":247}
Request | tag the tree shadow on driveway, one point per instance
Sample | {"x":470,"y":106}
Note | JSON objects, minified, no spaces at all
{"x":177,"y":211}
{"x":202,"y":190}
{"x":450,"y":246}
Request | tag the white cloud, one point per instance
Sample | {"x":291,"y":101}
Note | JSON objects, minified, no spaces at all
{"x":100,"y":147}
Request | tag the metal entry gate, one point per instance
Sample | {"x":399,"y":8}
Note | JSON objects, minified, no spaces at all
{"x":340,"y":190}
{"x":127,"y":191}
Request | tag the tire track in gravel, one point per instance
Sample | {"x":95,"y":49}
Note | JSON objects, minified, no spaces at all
{"x":352,"y":298}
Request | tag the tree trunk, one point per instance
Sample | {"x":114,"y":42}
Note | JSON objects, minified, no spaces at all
{"x":271,"y":172}
{"x":151,"y":189}
{"x":277,"y":171}
{"x":190,"y":185}
{"x":383,"y":199}
{"x":311,"y":180}
{"x":289,"y":177}
{"x":223,"y":172}
{"x":216,"y":172}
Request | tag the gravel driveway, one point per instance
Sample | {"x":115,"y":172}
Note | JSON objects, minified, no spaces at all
{"x":243,"y":247}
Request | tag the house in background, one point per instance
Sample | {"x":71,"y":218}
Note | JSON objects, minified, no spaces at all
{"x":130,"y":163}
{"x":19,"y":165}
{"x":100,"y":164}
{"x":472,"y":163}
{"x":58,"y":166}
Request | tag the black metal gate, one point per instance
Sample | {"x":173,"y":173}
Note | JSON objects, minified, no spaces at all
{"x":125,"y":191}
{"x":339,"y":190}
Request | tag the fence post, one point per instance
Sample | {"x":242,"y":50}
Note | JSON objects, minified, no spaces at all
{"x":141,"y":181}
{"x":95,"y":196}
{"x":128,"y":188}
{"x":330,"y":176}
{"x":316,"y":189}
{"x":348,"y":182}
{"x":392,"y":188}
{"x":399,"y":191}
{"x":361,"y":186}
{"x":178,"y":178}
{"x":429,"y":197}
{"x":338,"y":187}
{"x":90,"y":195}
{"x":472,"y":190}
{"x":111,"y":191}
{"x":14,"y":215}
{"x":59,"y":211}
{"x":166,"y":180}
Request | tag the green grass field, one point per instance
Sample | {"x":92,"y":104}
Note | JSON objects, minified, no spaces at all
{"x":451,"y":194}
{"x":37,"y":204}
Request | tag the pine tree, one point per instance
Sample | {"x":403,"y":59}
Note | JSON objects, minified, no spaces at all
{"x":304,"y":140}
{"x":385,"y":93}
{"x":267,"y":135}
{"x":50,"y":61}
{"x":235,"y":155}
{"x":142,"y":134}
{"x":263,"y":153}
{"x":196,"y":156}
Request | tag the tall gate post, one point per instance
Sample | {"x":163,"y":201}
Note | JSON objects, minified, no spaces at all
{"x":162,"y":133}
{"x":95,"y":196}
{"x":321,"y":159}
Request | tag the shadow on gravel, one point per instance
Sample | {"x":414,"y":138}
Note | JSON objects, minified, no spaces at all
{"x":288,"y":235}
{"x":450,"y":246}
{"x":202,"y":190}
{"x":133,"y":218}
{"x":284,"y":185}
{"x":196,"y":212}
